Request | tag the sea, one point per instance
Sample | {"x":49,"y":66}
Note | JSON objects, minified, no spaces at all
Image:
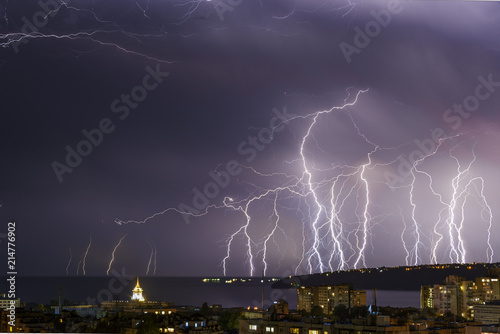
{"x":194,"y":291}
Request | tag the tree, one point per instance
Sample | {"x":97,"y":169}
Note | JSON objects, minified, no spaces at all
{"x":317,"y":311}
{"x":229,"y":321}
{"x":341,"y":312}
{"x":149,"y":325}
{"x":359,"y":312}
{"x":108,"y":325}
{"x":205,"y":309}
{"x":428,"y":313}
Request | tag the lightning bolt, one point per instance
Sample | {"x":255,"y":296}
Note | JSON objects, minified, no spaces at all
{"x":331,"y":238}
{"x":79,"y":264}
{"x":271,"y":234}
{"x":113,"y":254}
{"x":152,"y":258}
{"x":69,"y":262}
{"x":487,"y":209}
{"x":407,"y":258}
{"x":345,"y":9}
{"x":320,"y":201}
{"x":414,"y":220}
{"x":97,"y":35}
{"x":84,"y":258}
{"x":452,"y":213}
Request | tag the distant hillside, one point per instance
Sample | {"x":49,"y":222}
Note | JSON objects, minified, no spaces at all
{"x":396,"y":278}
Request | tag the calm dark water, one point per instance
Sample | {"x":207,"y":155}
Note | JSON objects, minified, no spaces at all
{"x":179,"y":290}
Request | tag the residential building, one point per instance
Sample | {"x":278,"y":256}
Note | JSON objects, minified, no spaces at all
{"x":281,"y":306}
{"x":488,"y":314}
{"x":6,"y":303}
{"x":329,"y":297}
{"x":381,"y":325}
{"x":456,"y":295}
{"x":426,"y":296}
{"x":488,"y":289}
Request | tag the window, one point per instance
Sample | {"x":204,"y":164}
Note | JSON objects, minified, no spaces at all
{"x":313,"y":331}
{"x":270,"y":329}
{"x":294,"y":330}
{"x":252,"y":327}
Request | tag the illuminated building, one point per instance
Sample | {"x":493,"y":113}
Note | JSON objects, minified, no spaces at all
{"x":329,"y":297}
{"x":345,"y":295}
{"x":6,"y":303}
{"x":456,"y":295}
{"x":304,"y":299}
{"x":137,"y":293}
{"x":488,"y":289}
{"x":281,"y":306}
{"x":426,"y":296}
{"x":262,"y":326}
{"x":488,"y":314}
{"x":448,"y":298}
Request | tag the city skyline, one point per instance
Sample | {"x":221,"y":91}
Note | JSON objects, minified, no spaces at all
{"x":189,"y":139}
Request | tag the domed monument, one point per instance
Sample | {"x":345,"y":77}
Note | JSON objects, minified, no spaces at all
{"x":137,"y":293}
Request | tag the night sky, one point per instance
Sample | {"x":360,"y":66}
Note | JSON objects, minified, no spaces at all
{"x":223,"y":109}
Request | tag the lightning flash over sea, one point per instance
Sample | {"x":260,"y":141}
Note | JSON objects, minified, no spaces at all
{"x":331,"y":238}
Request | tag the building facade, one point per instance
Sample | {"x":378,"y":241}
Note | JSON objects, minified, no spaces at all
{"x":6,"y":303}
{"x":488,"y":314}
{"x":488,"y":289}
{"x":459,"y":296}
{"x":252,"y":326}
{"x":329,"y":297}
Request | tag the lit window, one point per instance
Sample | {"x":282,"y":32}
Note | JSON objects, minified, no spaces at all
{"x":270,"y":329}
{"x":252,"y":327}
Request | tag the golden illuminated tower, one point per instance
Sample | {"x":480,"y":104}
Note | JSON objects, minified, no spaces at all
{"x":137,"y":292}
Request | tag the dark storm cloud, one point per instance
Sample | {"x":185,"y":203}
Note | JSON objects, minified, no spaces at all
{"x":225,"y":79}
